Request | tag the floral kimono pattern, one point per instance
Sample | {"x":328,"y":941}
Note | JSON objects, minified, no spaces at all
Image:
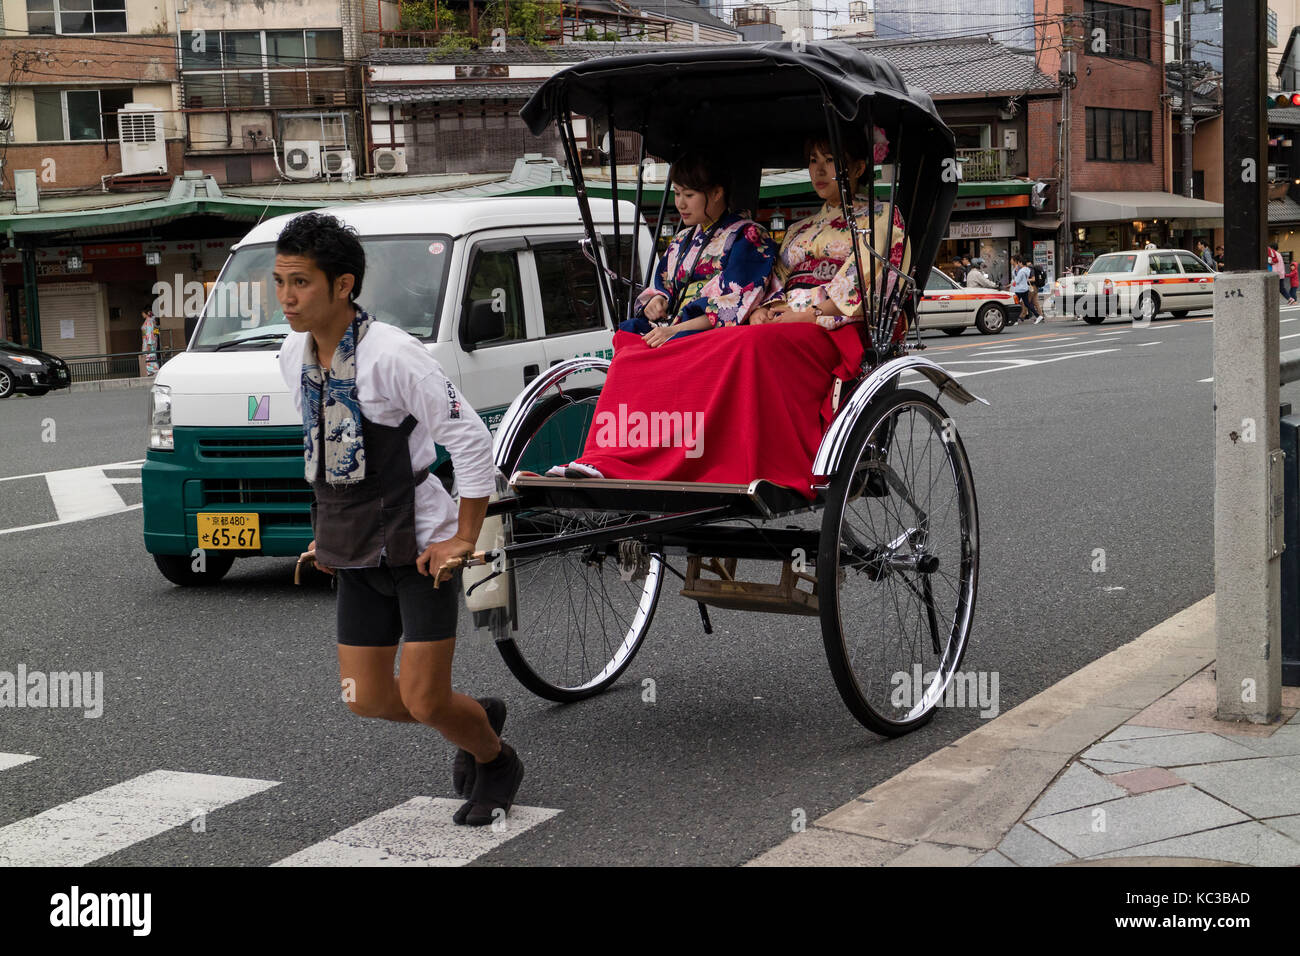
{"x":719,"y":272}
{"x":815,"y":265}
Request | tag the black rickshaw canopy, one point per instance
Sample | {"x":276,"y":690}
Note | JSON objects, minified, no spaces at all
{"x":757,"y":105}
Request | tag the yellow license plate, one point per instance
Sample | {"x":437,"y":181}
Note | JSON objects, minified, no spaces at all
{"x":229,"y":532}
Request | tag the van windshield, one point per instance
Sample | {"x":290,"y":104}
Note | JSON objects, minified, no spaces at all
{"x":403,"y":286}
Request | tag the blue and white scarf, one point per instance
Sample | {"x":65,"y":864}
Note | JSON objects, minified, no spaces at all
{"x":344,"y":454}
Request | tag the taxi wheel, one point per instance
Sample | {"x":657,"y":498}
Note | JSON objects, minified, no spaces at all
{"x":179,"y":568}
{"x":1181,"y":313}
{"x":6,"y":384}
{"x":991,"y":319}
{"x":1148,"y":307}
{"x":954,"y":329}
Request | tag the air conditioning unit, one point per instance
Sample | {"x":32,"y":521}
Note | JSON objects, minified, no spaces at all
{"x":338,"y":161}
{"x":302,"y":158}
{"x":390,"y":160}
{"x":140,"y":136}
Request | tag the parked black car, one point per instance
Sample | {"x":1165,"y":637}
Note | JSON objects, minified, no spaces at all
{"x":23,"y":369}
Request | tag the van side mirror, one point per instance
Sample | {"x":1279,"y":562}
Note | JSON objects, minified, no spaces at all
{"x":482,"y":324}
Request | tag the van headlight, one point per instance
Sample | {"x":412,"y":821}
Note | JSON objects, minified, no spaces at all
{"x":160,"y":419}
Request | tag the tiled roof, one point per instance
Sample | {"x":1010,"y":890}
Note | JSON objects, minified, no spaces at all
{"x":943,"y":68}
{"x":432,"y":92}
{"x":968,"y":66}
{"x":1283,"y":211}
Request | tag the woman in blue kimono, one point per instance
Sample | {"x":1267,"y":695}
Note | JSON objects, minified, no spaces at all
{"x":715,"y":269}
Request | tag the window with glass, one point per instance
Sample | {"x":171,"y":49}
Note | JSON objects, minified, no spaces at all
{"x":78,"y":114}
{"x":1191,"y":264}
{"x":1117,"y":31}
{"x":570,"y":293}
{"x":494,"y":285}
{"x":252,"y":68}
{"x":76,"y":16}
{"x":1118,"y":136}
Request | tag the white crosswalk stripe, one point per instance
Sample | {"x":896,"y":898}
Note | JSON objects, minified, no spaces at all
{"x":417,"y":833}
{"x":110,"y":820}
{"x":14,"y":760}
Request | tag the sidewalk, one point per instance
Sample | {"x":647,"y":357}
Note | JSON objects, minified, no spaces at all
{"x":1120,"y":764}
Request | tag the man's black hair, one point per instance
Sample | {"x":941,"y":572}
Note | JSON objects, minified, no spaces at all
{"x":334,"y":247}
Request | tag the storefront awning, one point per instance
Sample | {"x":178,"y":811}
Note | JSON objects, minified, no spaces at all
{"x":1117,"y":207}
{"x":1042,"y":222}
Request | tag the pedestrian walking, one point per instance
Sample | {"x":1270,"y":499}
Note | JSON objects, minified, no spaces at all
{"x":1218,"y":258}
{"x":1278,"y":268}
{"x":1203,"y":250}
{"x":1021,"y":285}
{"x":958,"y":271}
{"x":1293,"y":281}
{"x":374,"y":402}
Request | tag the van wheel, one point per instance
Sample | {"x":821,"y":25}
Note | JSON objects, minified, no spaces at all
{"x":179,"y":568}
{"x":954,"y":329}
{"x":991,"y":319}
{"x":1181,"y":313}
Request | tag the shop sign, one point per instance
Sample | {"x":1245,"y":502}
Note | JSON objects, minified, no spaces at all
{"x":986,"y":229}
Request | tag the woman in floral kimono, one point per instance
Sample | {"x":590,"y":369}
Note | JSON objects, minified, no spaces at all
{"x":714,"y":271}
{"x":815,"y":279}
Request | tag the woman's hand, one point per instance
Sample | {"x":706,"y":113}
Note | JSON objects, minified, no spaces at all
{"x":783,"y":313}
{"x":659,"y":335}
{"x":759,"y":316}
{"x":656,"y":308}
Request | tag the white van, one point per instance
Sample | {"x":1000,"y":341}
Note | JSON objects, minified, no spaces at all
{"x":498,"y":289}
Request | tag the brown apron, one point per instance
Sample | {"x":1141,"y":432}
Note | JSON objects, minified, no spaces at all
{"x":355,"y":524}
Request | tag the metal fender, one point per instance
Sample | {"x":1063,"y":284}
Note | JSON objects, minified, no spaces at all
{"x":508,"y":431}
{"x":837,"y":436}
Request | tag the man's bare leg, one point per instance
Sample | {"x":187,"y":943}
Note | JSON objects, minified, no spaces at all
{"x":425,"y":687}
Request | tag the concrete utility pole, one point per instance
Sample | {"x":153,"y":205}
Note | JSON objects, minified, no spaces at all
{"x":1067,"y":79}
{"x":1189,"y":125}
{"x":1248,"y":472}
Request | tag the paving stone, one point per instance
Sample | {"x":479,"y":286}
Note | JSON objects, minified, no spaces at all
{"x":1112,"y":766}
{"x":993,"y":858}
{"x":1290,"y":761}
{"x":818,"y":847}
{"x":1288,"y":825}
{"x":1077,"y":787}
{"x":1284,"y":743}
{"x":1174,"y":751}
{"x":1134,"y":732}
{"x":1144,"y":781}
{"x":1132,"y":821}
{"x":1264,"y":787}
{"x":1024,"y":847}
{"x":987,"y":813}
{"x":933,"y":854}
{"x":1252,"y":844}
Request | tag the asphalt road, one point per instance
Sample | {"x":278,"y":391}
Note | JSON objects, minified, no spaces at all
{"x":1095,"y":438}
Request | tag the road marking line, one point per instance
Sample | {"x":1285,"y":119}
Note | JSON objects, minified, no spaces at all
{"x":1294,"y":336}
{"x":416,"y":833}
{"x":118,"y":466}
{"x":1027,"y":363}
{"x":985,"y":345}
{"x":14,"y":760}
{"x":81,"y":493}
{"x":1037,"y":348}
{"x":51,"y":524}
{"x":129,"y":481}
{"x":1143,"y":344}
{"x":1210,"y":379}
{"x":110,"y":820}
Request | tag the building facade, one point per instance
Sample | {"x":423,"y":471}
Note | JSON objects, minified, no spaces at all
{"x":1010,"y":22}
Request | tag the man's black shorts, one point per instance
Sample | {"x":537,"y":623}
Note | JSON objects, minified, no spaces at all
{"x":376,"y":606}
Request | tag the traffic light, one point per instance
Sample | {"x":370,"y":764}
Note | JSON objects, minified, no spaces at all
{"x":1280,"y":100}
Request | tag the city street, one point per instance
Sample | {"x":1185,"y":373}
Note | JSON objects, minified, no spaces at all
{"x":1094,"y":472}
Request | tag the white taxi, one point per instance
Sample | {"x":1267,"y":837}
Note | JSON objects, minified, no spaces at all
{"x":954,"y":308}
{"x":1142,"y":283}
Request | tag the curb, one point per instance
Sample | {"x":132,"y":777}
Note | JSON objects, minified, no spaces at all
{"x":108,"y":385}
{"x":958,"y":803}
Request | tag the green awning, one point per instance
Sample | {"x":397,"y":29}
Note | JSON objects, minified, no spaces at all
{"x":149,"y":213}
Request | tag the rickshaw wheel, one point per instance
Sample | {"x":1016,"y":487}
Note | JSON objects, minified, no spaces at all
{"x":577,"y":616}
{"x":898,"y":563}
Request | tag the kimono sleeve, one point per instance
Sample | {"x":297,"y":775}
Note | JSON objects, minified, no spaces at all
{"x":661,"y":282}
{"x":843,"y":289}
{"x":741,"y":282}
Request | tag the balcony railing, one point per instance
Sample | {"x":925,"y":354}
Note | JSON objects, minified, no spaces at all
{"x":983,"y":165}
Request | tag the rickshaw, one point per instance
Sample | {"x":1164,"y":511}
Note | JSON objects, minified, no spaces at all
{"x":891,"y":566}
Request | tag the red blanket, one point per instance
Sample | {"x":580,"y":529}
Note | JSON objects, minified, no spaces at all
{"x":729,"y":405}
